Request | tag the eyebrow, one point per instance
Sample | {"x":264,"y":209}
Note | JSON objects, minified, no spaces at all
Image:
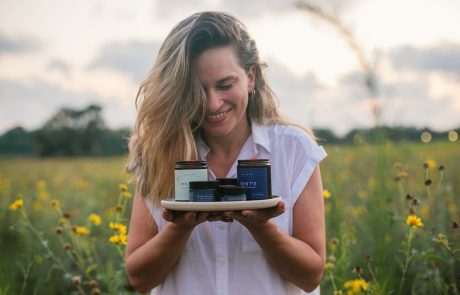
{"x":227,"y":79}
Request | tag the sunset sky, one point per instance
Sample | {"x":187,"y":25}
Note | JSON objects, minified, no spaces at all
{"x":61,"y":53}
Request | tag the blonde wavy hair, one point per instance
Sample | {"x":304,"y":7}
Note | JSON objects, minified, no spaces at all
{"x":171,"y":102}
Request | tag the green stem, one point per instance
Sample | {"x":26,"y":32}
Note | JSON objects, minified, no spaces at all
{"x":374,"y":278}
{"x":42,"y":241}
{"x":26,"y":276}
{"x":408,"y":259}
{"x":331,"y":276}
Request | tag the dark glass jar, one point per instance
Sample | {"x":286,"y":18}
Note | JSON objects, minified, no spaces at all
{"x":227,"y":181}
{"x":203,"y":191}
{"x":185,"y":172}
{"x":232,"y":193}
{"x":255,"y":176}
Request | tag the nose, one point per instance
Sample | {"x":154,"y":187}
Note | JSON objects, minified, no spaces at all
{"x":214,"y":101}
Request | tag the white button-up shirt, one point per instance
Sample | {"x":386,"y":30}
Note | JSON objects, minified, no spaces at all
{"x":223,"y":258}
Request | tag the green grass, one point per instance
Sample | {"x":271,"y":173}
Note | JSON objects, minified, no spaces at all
{"x":365,"y":215}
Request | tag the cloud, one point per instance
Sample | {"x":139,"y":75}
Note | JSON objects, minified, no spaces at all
{"x":441,"y":57}
{"x":30,"y":104}
{"x":18,"y":44}
{"x":296,"y":94}
{"x":240,"y":8}
{"x":59,"y":65}
{"x":409,"y":103}
{"x":134,"y":58}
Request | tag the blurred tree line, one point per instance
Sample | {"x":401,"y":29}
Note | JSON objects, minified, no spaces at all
{"x":69,"y":132}
{"x":83,"y":132}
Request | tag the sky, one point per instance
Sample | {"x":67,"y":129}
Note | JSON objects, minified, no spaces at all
{"x":62,"y":53}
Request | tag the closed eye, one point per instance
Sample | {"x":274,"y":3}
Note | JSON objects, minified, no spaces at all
{"x":224,"y":87}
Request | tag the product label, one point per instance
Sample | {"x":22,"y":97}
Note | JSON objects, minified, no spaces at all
{"x":256,"y":182}
{"x":182,"y":180}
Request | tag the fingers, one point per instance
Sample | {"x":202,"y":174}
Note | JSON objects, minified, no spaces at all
{"x":260,"y":216}
{"x":185,"y":218}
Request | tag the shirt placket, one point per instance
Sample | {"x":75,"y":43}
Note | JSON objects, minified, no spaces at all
{"x":221,"y":246}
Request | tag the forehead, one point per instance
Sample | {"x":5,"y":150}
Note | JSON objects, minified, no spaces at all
{"x":216,"y":63}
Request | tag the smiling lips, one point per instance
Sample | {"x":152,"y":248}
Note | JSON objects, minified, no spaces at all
{"x":217,"y":118}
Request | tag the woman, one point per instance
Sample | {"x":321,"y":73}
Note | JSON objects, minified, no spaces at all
{"x":207,"y":98}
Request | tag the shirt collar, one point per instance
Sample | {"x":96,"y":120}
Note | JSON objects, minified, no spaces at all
{"x":260,"y":139}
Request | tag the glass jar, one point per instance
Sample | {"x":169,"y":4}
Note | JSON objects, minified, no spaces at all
{"x":232,"y":193}
{"x":185,"y":172}
{"x":203,"y":191}
{"x":255,"y":176}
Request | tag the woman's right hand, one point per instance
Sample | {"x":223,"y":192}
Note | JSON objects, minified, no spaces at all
{"x":185,"y":219}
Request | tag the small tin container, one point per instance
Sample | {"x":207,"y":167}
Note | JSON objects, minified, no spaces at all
{"x":232,"y":193}
{"x":255,"y":176}
{"x":203,"y":191}
{"x":185,"y":172}
{"x":227,"y":181}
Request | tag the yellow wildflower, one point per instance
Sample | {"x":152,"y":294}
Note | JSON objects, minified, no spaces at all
{"x":329,"y":265}
{"x":403,"y":174}
{"x":414,"y":221}
{"x":127,"y":195}
{"x":16,"y":205}
{"x":41,"y":185}
{"x":123,"y":187}
{"x":81,"y":230}
{"x":430,"y":164}
{"x":94,"y":219}
{"x":121,"y":228}
{"x":326,"y":194}
{"x":356,"y":286}
{"x":119,"y":239}
{"x":114,"y":239}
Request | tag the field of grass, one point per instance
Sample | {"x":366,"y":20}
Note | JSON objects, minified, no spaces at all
{"x":391,"y":211}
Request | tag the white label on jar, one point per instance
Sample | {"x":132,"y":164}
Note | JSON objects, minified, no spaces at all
{"x":183,"y":178}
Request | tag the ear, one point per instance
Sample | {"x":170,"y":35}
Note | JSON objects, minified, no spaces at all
{"x":251,"y":77}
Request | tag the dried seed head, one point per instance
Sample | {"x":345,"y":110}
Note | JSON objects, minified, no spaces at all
{"x":441,"y":167}
{"x":428,"y":182}
{"x":67,"y":246}
{"x":425,"y":165}
{"x":76,"y":280}
{"x":93,"y":284}
{"x":454,"y":225}
{"x":357,"y":270}
{"x":59,"y":230}
{"x":409,"y":197}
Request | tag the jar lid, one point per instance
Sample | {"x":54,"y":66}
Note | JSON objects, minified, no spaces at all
{"x":191,"y":164}
{"x":232,"y":190}
{"x":203,"y":184}
{"x":254,"y":162}
{"x":227,"y":181}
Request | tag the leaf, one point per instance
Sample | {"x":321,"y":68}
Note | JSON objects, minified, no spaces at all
{"x":91,"y":268}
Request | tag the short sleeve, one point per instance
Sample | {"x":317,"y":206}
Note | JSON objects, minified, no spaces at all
{"x":307,"y":156}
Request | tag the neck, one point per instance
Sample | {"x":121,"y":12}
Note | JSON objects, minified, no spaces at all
{"x":225,"y":149}
{"x":228,"y":146}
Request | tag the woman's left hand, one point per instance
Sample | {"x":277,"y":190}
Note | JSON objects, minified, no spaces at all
{"x":258,"y":217}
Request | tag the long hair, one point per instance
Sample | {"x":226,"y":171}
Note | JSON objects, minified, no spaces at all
{"x":172,"y":103}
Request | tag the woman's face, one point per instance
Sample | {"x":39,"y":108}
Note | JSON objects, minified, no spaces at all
{"x":227,"y":86}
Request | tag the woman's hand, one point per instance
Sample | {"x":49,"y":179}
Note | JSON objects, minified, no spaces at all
{"x":185,"y":219}
{"x":258,"y":217}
